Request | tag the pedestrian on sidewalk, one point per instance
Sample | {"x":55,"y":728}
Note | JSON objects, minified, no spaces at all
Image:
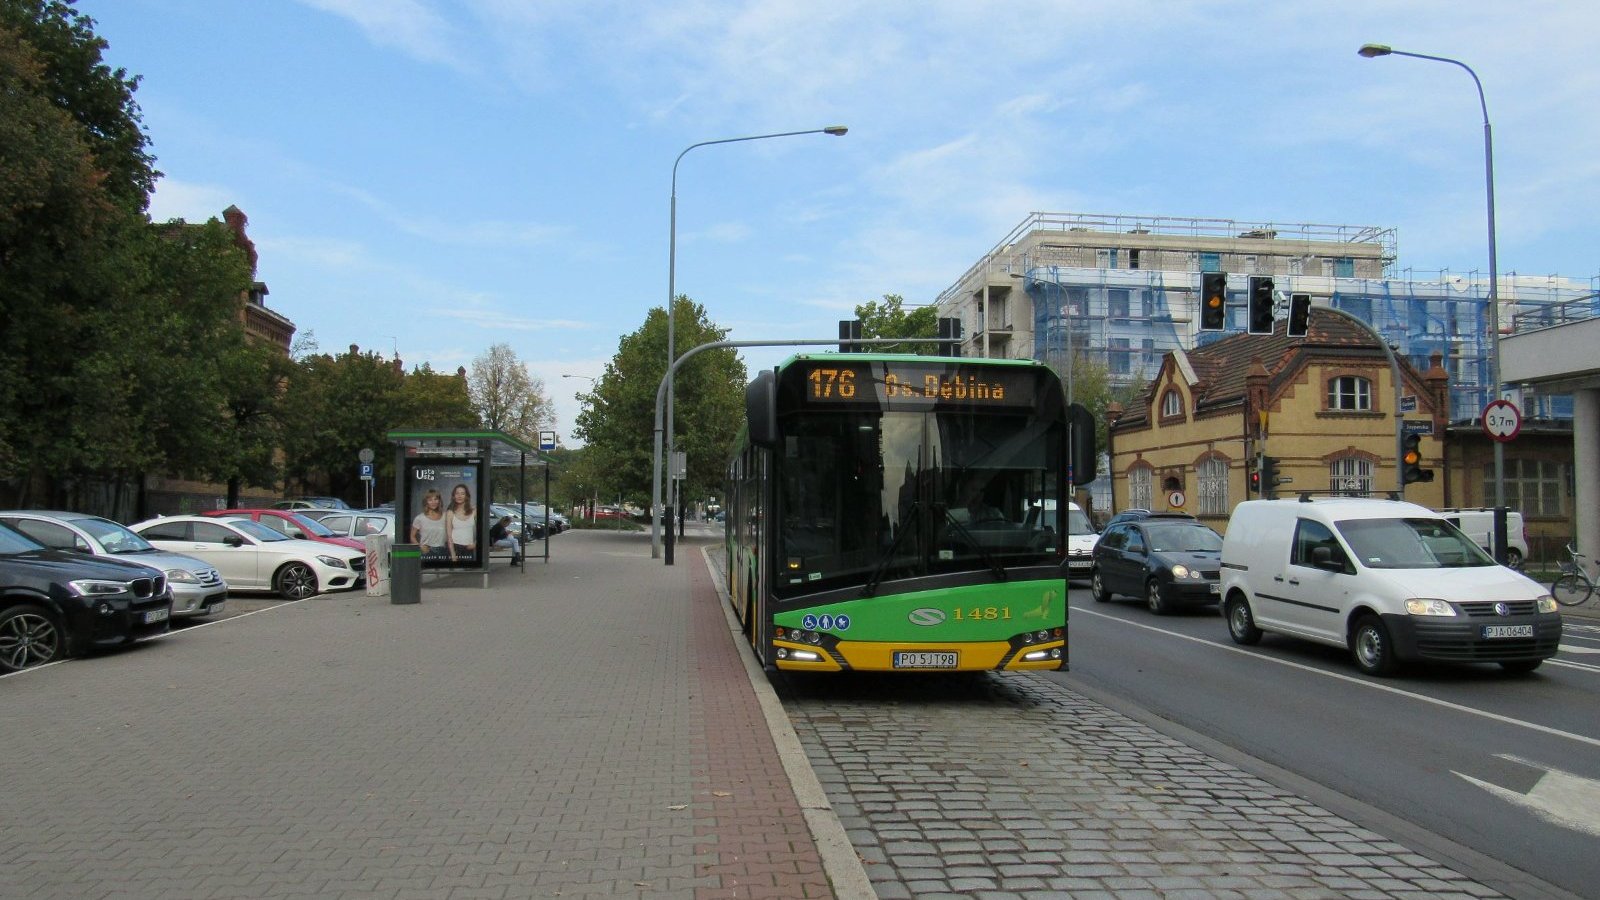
{"x":500,"y":536}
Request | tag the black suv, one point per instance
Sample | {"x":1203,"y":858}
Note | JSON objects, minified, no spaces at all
{"x":55,"y":604}
{"x":1165,"y":559}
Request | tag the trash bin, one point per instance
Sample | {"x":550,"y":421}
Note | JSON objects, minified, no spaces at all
{"x":405,"y":574}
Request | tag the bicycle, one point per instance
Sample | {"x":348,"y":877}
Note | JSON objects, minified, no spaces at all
{"x":1573,"y":586}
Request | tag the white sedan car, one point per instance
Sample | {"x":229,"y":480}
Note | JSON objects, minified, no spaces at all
{"x":253,"y":557}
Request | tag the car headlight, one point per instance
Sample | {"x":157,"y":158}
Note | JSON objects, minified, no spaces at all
{"x":1180,"y":571}
{"x":94,"y":587}
{"x":332,"y":561}
{"x":1547,"y":604}
{"x":1429,"y":607}
{"x":182,"y":576}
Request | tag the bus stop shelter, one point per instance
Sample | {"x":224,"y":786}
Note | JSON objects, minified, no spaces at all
{"x":445,"y":482}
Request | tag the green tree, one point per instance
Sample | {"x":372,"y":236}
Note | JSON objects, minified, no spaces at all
{"x":333,"y":408}
{"x":508,"y":399}
{"x":254,"y":376}
{"x":435,"y":400}
{"x":618,"y":425}
{"x":890,"y":319}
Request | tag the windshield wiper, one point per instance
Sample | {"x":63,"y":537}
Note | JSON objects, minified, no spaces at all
{"x":984,"y":555}
{"x":911,"y":524}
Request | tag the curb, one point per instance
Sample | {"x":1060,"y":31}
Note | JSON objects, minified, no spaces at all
{"x":839,"y":860}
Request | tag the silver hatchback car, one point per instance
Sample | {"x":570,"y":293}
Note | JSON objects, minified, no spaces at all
{"x":197,"y":588}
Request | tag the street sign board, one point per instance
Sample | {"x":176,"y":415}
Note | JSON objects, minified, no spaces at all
{"x":366,"y":471}
{"x":1175,"y":499}
{"x":365,"y":455}
{"x":1502,"y":421}
{"x":1417,"y":426}
{"x":1408,"y":403}
{"x":547,"y":440}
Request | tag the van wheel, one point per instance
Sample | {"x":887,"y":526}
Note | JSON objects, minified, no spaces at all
{"x":1514,"y":558}
{"x":1371,"y":648}
{"x":1154,"y":599}
{"x":1097,"y":588}
{"x":1241,"y":624}
{"x":1520,"y":666}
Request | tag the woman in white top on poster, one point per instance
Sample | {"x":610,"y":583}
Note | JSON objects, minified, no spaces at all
{"x":462,"y":525}
{"x":427,"y":529}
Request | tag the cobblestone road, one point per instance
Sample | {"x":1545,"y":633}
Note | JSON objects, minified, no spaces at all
{"x":999,"y":787}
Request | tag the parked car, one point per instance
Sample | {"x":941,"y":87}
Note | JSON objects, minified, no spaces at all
{"x":529,"y":530}
{"x":311,"y":503}
{"x":1169,"y":561}
{"x":290,"y":523}
{"x":198,"y":589}
{"x":1478,"y":524}
{"x":535,"y":512}
{"x":253,"y":557}
{"x":56,"y":604}
{"x":1388,"y":580}
{"x":355,"y":524}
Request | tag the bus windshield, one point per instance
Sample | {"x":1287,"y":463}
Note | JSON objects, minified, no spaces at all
{"x":870,"y":494}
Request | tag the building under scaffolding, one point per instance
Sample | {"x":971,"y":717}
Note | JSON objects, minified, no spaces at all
{"x":1121,"y":291}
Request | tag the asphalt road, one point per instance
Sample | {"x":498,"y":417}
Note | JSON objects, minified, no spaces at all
{"x":1505,"y":765}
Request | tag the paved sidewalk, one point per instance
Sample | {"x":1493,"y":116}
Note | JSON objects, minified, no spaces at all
{"x":584,"y":729}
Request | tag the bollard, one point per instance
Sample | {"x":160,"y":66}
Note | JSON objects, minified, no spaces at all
{"x":377,"y":564}
{"x":405,"y":574}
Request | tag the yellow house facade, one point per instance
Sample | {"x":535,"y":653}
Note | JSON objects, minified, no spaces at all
{"x":1321,"y":405}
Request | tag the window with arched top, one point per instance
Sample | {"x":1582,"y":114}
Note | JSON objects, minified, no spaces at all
{"x":1139,"y":483}
{"x":1350,"y":475}
{"x":1212,"y":475}
{"x":1171,"y":404}
{"x":1350,"y":393}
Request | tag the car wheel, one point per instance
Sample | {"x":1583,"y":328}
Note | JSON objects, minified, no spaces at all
{"x":1154,"y":598}
{"x":28,"y":637}
{"x":1520,"y":666}
{"x":1371,"y":648}
{"x":295,"y":581}
{"x":1097,"y":588}
{"x":1514,"y":558}
{"x":1241,"y":624}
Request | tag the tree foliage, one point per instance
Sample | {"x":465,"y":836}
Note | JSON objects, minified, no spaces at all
{"x":618,"y":422}
{"x":507,"y":398}
{"x":890,"y":319}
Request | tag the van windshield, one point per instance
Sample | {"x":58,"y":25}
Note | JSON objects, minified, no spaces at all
{"x":1416,"y":543}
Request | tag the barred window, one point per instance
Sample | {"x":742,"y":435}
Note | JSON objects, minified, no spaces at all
{"x":1213,"y":477}
{"x":1139,"y":488}
{"x":1350,"y":475}
{"x":1350,"y":392}
{"x":1534,"y":487}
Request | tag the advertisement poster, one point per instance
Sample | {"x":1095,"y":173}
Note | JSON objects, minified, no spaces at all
{"x":443,"y":513}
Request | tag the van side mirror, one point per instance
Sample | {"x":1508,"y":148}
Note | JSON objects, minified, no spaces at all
{"x":761,"y":409}
{"x":1322,"y":558}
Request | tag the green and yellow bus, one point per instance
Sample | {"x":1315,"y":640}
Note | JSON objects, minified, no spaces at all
{"x":899,"y":513}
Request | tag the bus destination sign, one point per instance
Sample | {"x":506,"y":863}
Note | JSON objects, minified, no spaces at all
{"x":910,"y":384}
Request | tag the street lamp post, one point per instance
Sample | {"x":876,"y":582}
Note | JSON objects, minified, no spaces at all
{"x":672,"y":274}
{"x":1371,"y":51}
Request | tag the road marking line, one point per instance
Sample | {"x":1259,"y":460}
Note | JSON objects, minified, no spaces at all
{"x":1533,"y":726}
{"x":1559,"y":797}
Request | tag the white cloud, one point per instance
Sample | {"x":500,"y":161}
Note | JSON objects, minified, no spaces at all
{"x":174,"y":199}
{"x":410,"y":26}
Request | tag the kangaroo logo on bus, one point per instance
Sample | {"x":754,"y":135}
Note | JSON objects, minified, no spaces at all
{"x":926,"y":616}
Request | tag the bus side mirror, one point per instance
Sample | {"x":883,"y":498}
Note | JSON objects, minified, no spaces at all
{"x":761,"y":409}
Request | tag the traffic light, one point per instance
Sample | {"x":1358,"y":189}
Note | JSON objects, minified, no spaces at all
{"x":1411,"y":470}
{"x":1213,"y":301}
{"x":1254,"y":475}
{"x":1299,"y":314}
{"x":1268,"y":475}
{"x":1260,"y":297}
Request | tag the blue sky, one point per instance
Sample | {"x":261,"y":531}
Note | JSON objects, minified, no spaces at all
{"x":436,"y":176}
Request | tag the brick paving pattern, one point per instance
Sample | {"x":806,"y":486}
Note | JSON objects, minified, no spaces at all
{"x":566,"y":733}
{"x":1017,"y":787}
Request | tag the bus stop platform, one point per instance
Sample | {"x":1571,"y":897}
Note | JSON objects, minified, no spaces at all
{"x":587,"y":729}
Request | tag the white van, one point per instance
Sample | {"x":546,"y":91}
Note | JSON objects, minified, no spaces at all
{"x":1478,"y":524}
{"x":1389,"y":580}
{"x":1081,"y":537}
